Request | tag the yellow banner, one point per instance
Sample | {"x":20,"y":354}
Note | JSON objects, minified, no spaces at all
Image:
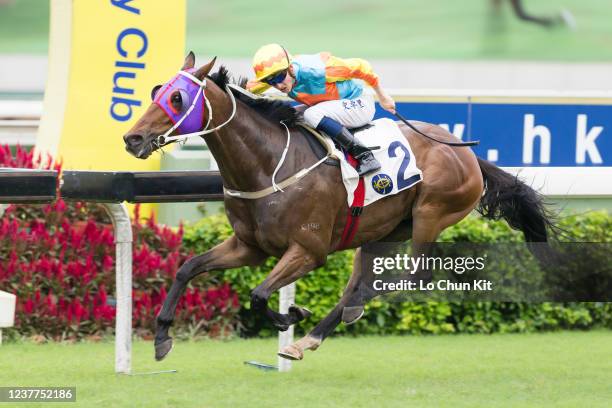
{"x":104,"y":58}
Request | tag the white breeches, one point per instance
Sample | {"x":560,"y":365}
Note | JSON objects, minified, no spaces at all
{"x":350,"y":113}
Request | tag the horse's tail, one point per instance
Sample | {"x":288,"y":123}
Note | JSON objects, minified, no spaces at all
{"x":521,"y":206}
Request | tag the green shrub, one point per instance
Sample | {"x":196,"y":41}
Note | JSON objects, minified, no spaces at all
{"x":321,"y":289}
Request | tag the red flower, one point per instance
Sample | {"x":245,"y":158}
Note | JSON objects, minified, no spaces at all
{"x":107,"y":262}
{"x":28,"y":306}
{"x":60,"y":257}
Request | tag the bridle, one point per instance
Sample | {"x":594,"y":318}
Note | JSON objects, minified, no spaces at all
{"x":165,"y":139}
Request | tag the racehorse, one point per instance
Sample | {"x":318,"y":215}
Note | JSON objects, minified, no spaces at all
{"x":303,"y":224}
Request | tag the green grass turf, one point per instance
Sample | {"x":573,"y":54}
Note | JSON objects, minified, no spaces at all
{"x":565,"y":369}
{"x":415,"y":29}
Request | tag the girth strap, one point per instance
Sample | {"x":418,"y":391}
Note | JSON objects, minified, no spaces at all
{"x":354,"y":212}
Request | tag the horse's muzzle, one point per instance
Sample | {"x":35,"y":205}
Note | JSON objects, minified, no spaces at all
{"x":135,"y":144}
{"x":133,"y":140}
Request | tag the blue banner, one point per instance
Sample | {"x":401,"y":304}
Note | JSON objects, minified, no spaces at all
{"x":521,"y":135}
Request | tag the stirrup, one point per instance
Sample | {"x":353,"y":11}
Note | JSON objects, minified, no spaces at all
{"x":367,"y":163}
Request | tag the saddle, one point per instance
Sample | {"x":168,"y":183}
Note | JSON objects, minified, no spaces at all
{"x":317,"y":144}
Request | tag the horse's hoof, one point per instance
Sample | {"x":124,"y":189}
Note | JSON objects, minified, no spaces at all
{"x":291,"y":352}
{"x":309,"y":343}
{"x":299,"y":313}
{"x":351,"y":314}
{"x":162,"y":349}
{"x":281,"y":327}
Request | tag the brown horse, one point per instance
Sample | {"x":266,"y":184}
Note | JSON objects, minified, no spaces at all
{"x":303,"y":224}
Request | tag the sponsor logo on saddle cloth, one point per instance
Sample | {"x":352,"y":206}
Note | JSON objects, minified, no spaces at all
{"x":398,"y":171}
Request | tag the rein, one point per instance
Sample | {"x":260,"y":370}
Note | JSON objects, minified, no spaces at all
{"x":459,"y":144}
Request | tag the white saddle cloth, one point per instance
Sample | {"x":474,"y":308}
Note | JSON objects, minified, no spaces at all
{"x":398,"y":171}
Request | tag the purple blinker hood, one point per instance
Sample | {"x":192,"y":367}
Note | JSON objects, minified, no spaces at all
{"x":194,"y":121}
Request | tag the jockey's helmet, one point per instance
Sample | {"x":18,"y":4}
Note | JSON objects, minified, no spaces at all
{"x":269,"y":60}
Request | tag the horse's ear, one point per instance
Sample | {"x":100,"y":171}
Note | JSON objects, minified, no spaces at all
{"x":189,"y":61}
{"x":205,"y":69}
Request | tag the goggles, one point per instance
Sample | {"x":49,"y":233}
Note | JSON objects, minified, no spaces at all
{"x":276,"y":78}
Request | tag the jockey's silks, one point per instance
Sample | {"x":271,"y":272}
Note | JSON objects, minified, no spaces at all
{"x":323,"y":77}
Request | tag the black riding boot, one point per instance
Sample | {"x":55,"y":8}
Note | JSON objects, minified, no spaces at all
{"x":367,"y":162}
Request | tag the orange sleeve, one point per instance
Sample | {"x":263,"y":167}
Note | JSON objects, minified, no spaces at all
{"x":337,"y":69}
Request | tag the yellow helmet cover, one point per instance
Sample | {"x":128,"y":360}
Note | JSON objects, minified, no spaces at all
{"x":270,"y":59}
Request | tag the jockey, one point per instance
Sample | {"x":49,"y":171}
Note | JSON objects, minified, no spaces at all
{"x":331,"y":91}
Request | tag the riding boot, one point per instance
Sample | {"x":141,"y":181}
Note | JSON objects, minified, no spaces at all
{"x":341,"y":135}
{"x":367,"y":161}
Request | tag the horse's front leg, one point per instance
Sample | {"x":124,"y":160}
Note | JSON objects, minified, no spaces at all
{"x":295,"y":263}
{"x":232,"y":253}
{"x":325,"y":327}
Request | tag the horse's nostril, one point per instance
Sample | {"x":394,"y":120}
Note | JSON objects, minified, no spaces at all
{"x":133,"y":140}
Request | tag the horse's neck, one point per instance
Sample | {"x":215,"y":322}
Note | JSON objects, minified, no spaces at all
{"x":247,"y":149}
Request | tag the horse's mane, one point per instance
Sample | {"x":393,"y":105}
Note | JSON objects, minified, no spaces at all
{"x":272,"y":109}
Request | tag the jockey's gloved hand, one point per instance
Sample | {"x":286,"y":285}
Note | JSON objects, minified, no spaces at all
{"x":384,"y":99}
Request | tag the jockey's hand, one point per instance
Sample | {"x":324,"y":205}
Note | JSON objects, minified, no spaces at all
{"x":384,"y":99}
{"x":387,"y":103}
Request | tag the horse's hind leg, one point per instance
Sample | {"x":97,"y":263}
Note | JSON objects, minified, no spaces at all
{"x":231,"y":253}
{"x":520,"y":12}
{"x":425,"y":230}
{"x":349,"y":309}
{"x":426,"y":227}
{"x":295,"y":263}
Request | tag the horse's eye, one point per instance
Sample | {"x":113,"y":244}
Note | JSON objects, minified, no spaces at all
{"x":154,"y":91}
{"x":177,"y":101}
